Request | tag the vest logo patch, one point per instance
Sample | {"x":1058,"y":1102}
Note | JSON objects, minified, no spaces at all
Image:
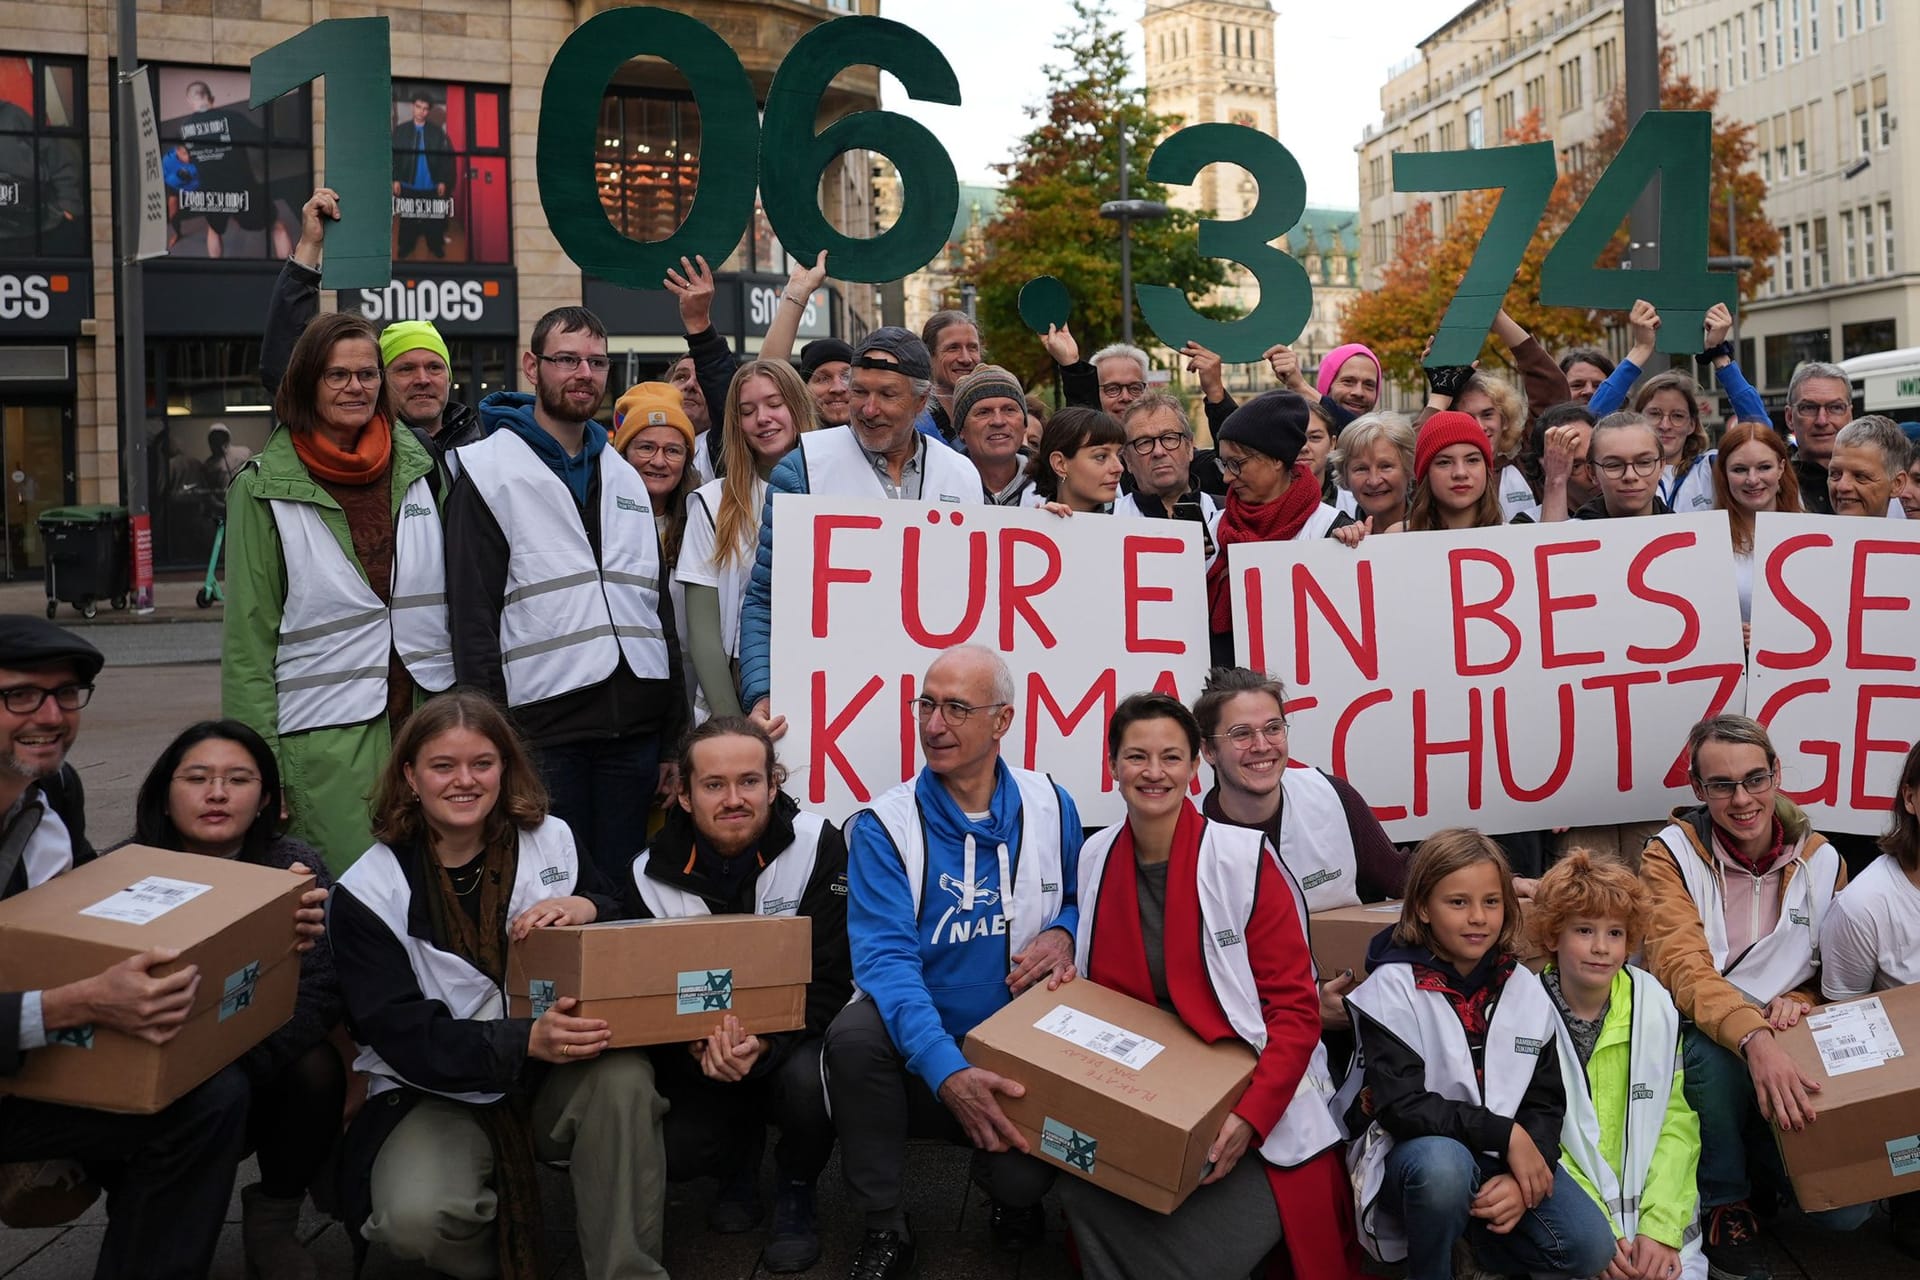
{"x":1326,"y":875}
{"x":412,"y":509}
{"x":1226,"y":938}
{"x":839,"y":886}
{"x":1048,"y":886}
{"x":1642,"y":1093}
{"x":1903,"y":1155}
{"x":236,"y":993}
{"x":552,"y":875}
{"x":1798,"y":917}
{"x":628,"y":504}
{"x":1068,"y":1145}
{"x":703,"y":990}
{"x":1522,"y":1044}
{"x":779,"y":906}
{"x":72,"y":1037}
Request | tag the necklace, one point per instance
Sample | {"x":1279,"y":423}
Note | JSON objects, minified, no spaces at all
{"x":471,"y":873}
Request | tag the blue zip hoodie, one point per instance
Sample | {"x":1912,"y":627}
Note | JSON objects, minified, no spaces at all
{"x":514,"y":410}
{"x":938,"y":972}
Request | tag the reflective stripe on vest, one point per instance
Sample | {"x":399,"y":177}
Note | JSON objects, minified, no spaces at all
{"x":1789,"y":955}
{"x":330,"y":667}
{"x":1227,"y":872}
{"x":566,"y":620}
{"x":1316,"y":844}
{"x":836,"y":464}
{"x":547,"y":866}
{"x":777,"y":890}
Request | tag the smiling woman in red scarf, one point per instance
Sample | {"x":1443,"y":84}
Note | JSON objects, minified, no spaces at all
{"x":1200,"y":918}
{"x":1271,"y":496}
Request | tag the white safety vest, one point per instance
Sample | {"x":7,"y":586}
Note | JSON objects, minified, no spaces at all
{"x":1316,"y":844}
{"x":567,"y":620}
{"x":1653,"y":1057}
{"x":1032,"y":893}
{"x":49,"y":850}
{"x":777,"y":890}
{"x":1227,"y":872}
{"x":1784,"y":959}
{"x":330,"y":667}
{"x":548,"y":866}
{"x":1317,"y":526}
{"x":1524,"y":1020}
{"x":835,"y":463}
{"x":1516,"y":496}
{"x":1691,"y":490}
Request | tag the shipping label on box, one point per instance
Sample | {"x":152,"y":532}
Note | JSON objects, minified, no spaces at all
{"x":1865,"y":1142}
{"x":1118,"y":1092}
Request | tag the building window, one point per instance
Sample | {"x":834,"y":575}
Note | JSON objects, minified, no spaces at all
{"x":1849,"y":253}
{"x":1806,"y":257}
{"x":1794,"y":29}
{"x":1423,"y":143}
{"x":1536,"y":95}
{"x":1503,"y":117}
{"x":1799,"y":155}
{"x":1740,"y":40}
{"x":1575,"y":157}
{"x":1376,"y":177}
{"x":1869,"y":241}
{"x":647,"y":166}
{"x":1867,"y":338}
{"x":43,"y":132}
{"x":1399,"y":230}
{"x":1760,"y":30}
{"x":1813,"y":26}
{"x":1606,"y":67}
{"x":1446,"y":136}
{"x":1379,"y":233}
{"x":1766,"y":166}
{"x":1863,"y":129}
{"x":1779,"y":36}
{"x":1788,"y":351}
{"x":1252,"y":39}
{"x":1886,"y":235}
{"x":1886,"y":128}
{"x":1449,"y":209}
{"x":1820,"y":252}
{"x":235,"y":177}
{"x":450,"y":164}
{"x":1839,"y":19}
{"x":1476,"y":129}
{"x":1571,"y":86}
{"x":1780,"y":160}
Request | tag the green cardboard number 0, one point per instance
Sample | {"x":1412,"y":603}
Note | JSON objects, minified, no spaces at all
{"x":354,"y":56}
{"x":1286,"y":291}
{"x":569,"y":119}
{"x":793,"y":156}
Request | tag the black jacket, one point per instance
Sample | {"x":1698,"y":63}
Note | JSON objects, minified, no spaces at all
{"x":63,"y":794}
{"x":672,"y":861}
{"x":713,"y":367}
{"x":1595,"y":508}
{"x":1813,"y":486}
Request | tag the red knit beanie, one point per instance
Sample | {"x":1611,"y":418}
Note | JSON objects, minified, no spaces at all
{"x":1444,"y":429}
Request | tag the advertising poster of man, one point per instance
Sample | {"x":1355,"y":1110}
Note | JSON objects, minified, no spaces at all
{"x":449,"y":173}
{"x":43,"y":196}
{"x":231,"y":193}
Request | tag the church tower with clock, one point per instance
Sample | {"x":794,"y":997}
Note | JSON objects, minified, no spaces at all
{"x":1211,"y":62}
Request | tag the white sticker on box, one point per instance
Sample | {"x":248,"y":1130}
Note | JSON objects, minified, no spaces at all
{"x":146,"y":900}
{"x":1128,"y":1048}
{"x":1855,"y":1036}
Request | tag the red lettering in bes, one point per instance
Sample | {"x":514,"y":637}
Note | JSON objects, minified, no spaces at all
{"x":1551,"y":604}
{"x":1363,"y":648}
{"x":1827,"y":790}
{"x":910,"y":616}
{"x":1802,"y":612}
{"x":1485,"y":611}
{"x":909,"y":727}
{"x":1503,"y":749}
{"x":1865,"y":747}
{"x":1469,"y":746}
{"x":1343,"y":727}
{"x":1104,"y":693}
{"x":1729,"y":674}
{"x":1137,"y":594}
{"x":1858,"y":659}
{"x":1253,"y":595}
{"x":825,"y":744}
{"x":824,"y":574}
{"x":1689,"y":617}
{"x":1621,"y":684}
{"x":1017,"y":597}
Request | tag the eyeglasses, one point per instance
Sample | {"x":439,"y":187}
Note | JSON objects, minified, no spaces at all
{"x":1168,"y":440}
{"x":647,"y":448}
{"x":1123,"y":388}
{"x":338,"y":378}
{"x":1757,"y":783}
{"x":1234,"y":466}
{"x":1617,"y":467}
{"x":1680,"y":416}
{"x":201,"y":779}
{"x":1242,"y":735}
{"x":567,"y":362}
{"x":1831,"y":409}
{"x":953,"y":712}
{"x":25,"y":699}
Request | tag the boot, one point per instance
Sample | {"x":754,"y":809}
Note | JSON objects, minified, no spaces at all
{"x":267,"y":1227}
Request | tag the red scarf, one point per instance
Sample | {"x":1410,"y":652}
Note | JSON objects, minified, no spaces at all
{"x":364,"y":463}
{"x":1766,"y":862}
{"x":1276,"y":521}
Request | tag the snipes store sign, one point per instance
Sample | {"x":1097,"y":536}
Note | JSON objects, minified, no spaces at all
{"x":36,"y":302}
{"x":469,"y":305}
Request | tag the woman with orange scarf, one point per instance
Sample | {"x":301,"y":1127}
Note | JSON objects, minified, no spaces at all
{"x":336,"y":618}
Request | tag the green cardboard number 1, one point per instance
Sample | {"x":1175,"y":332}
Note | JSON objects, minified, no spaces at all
{"x":352,"y":54}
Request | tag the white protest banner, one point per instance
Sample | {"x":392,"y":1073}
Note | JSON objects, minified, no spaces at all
{"x":1510,"y":679}
{"x":1086,"y":609}
{"x":1835,"y":642}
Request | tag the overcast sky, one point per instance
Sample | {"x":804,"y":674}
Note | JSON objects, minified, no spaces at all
{"x":1329,"y":76}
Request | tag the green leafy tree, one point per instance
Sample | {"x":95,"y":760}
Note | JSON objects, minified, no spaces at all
{"x":1060,"y":174}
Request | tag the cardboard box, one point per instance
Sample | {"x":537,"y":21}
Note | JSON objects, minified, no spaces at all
{"x":663,"y":981}
{"x":1865,"y":1145}
{"x":1118,"y":1092}
{"x":1339,"y":937}
{"x":232,"y":919}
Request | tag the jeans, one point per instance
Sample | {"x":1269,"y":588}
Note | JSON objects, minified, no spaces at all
{"x":1430,"y":1185}
{"x":603,"y":789}
{"x":1719,"y":1088}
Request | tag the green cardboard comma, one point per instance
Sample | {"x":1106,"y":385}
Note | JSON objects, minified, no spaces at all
{"x":569,"y":125}
{"x":793,"y":156}
{"x":1525,"y":175}
{"x":354,"y":57}
{"x":1044,"y":302}
{"x":1286,"y":292}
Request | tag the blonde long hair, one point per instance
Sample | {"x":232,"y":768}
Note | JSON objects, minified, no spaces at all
{"x":736,"y":525}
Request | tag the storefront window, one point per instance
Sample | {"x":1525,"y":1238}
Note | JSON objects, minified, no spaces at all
{"x":450,"y":194}
{"x":647,"y":165}
{"x":43,"y":157}
{"x":1787,"y":351}
{"x":236,"y":177}
{"x":199,"y":389}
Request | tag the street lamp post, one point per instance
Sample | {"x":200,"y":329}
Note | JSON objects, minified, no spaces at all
{"x":1127,"y":212}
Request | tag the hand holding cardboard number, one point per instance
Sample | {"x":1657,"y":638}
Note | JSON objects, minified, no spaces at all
{"x":322,"y":207}
{"x":692,"y":285}
{"x":1643,"y":327}
{"x":1060,"y":345}
{"x":1205,"y":365}
{"x":1719,"y":324}
{"x":1285,"y":363}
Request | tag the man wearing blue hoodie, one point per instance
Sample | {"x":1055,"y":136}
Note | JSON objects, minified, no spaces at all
{"x":557,"y":598}
{"x":961,"y":894}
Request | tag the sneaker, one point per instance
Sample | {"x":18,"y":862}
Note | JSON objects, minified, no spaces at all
{"x":884,"y":1255}
{"x":1732,"y":1244}
{"x":737,"y":1208}
{"x":795,"y":1243}
{"x":1017,"y":1230}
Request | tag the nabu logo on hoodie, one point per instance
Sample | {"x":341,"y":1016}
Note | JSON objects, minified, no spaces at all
{"x":967,"y":905}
